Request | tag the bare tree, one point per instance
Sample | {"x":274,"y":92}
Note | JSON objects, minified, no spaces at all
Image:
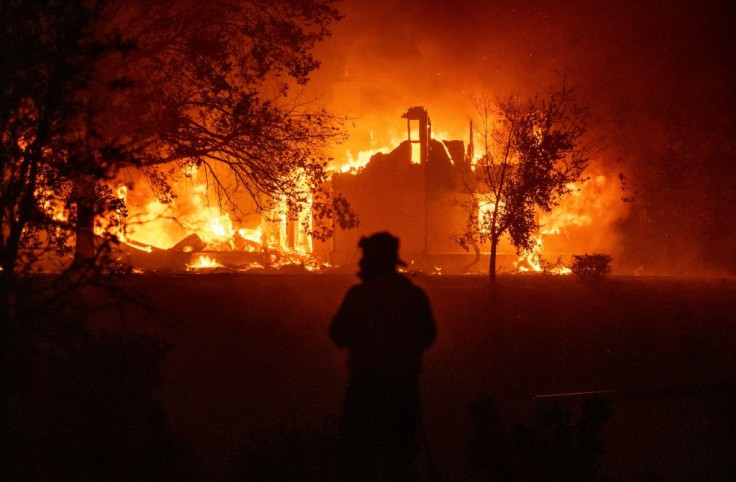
{"x":532,"y":151}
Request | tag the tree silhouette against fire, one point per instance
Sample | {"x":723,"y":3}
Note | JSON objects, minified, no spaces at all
{"x":532,"y":152}
{"x":90,"y":88}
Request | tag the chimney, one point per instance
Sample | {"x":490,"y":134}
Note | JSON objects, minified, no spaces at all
{"x":419,"y":113}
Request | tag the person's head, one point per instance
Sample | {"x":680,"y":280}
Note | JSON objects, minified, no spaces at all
{"x":380,"y":255}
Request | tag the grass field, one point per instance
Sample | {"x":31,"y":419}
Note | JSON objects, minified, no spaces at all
{"x":250,"y":355}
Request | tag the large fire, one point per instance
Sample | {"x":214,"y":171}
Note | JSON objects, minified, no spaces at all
{"x":192,"y":230}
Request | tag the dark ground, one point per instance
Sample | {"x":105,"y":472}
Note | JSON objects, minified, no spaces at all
{"x":250,"y":357}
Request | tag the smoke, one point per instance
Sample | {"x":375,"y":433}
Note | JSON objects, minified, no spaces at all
{"x":386,"y":54}
{"x":641,"y":67}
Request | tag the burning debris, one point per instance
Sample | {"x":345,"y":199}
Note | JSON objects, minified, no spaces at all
{"x":192,"y":254}
{"x":209,"y":239}
{"x":410,"y":192}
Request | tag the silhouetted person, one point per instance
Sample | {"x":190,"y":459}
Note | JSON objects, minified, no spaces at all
{"x":385,"y":323}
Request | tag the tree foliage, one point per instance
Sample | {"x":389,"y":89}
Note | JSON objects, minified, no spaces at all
{"x":532,"y":152}
{"x":92,"y":87}
{"x":88,"y":87}
{"x":218,"y":86}
{"x":682,"y":182}
{"x":48,"y":137}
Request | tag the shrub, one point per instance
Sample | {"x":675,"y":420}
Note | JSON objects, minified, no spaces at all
{"x":591,"y":266}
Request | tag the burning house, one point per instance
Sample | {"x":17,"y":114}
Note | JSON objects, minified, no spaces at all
{"x":413,"y":192}
{"x":418,"y":191}
{"x":424,"y":192}
{"x":192,"y":231}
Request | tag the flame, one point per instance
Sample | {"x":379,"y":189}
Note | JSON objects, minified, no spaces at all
{"x":531,"y":261}
{"x":585,"y":203}
{"x":255,"y":235}
{"x":574,"y":210}
{"x":254,"y":266}
{"x":55,"y":209}
{"x":191,"y":211}
{"x":203,"y":262}
{"x":355,"y":162}
{"x":280,"y":235}
{"x":485,"y":215}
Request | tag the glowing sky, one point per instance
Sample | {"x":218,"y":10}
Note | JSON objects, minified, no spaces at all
{"x":626,"y":57}
{"x":639,"y":66}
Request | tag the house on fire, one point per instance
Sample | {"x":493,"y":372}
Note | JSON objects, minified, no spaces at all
{"x":416,"y":200}
{"x":416,"y":192}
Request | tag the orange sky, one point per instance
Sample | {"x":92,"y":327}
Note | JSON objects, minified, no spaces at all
{"x":626,"y":57}
{"x":636,"y":64}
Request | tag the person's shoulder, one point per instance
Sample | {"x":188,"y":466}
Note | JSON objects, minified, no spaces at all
{"x":355,"y":289}
{"x":408,"y":284}
{"x":355,"y":296}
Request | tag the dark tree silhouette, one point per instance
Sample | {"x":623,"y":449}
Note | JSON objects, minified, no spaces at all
{"x":48,"y":137}
{"x":88,"y":88}
{"x":218,"y":85}
{"x":532,"y":151}
{"x":49,"y":55}
{"x":680,"y":185}
{"x":93,"y":87}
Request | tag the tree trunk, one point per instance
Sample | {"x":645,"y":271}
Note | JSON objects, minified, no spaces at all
{"x":84,"y":197}
{"x":492,"y":269}
{"x":6,"y":315}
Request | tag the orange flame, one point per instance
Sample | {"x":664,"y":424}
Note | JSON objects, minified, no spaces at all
{"x":203,"y":262}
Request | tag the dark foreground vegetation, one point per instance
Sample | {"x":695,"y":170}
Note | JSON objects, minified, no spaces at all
{"x":233,"y":377}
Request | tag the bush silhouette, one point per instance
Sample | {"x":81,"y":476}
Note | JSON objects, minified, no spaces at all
{"x":592,"y":267}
